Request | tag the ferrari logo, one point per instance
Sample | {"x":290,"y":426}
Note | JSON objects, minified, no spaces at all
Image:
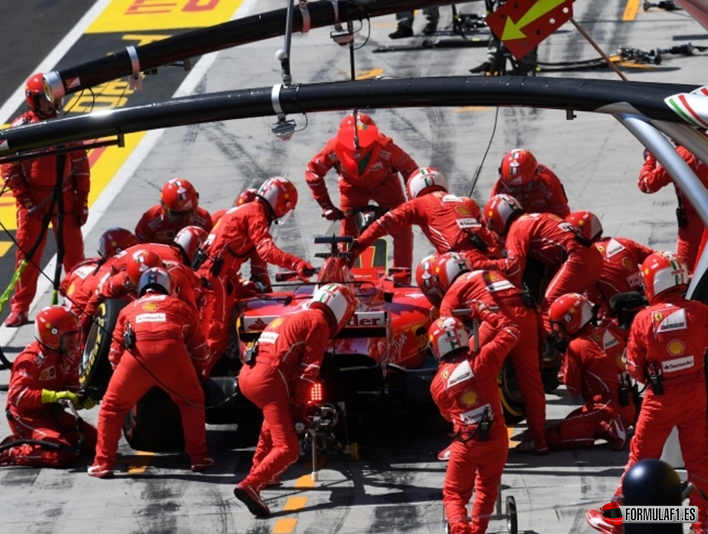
{"x":445,"y":374}
{"x":658,"y":317}
{"x":675,"y":347}
{"x":150,"y":306}
{"x":469,"y":398}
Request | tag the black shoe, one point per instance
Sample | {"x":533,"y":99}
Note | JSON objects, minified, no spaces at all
{"x":252,"y":499}
{"x":430,"y":28}
{"x":484,"y":67}
{"x":401,"y":32}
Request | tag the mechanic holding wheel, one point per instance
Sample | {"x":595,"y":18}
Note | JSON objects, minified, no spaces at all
{"x":44,"y":376}
{"x":466,"y":392}
{"x":158,"y":341}
{"x":368,"y":164}
{"x":277,"y":376}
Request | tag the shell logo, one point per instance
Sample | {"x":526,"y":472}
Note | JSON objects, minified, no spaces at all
{"x":275,"y":323}
{"x":675,"y":347}
{"x":463,"y":210}
{"x":71,"y":289}
{"x":628,"y":264}
{"x":150,"y":306}
{"x":469,"y":398}
{"x":491,"y":277}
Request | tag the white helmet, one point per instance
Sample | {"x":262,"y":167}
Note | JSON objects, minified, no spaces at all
{"x":426,"y":180}
{"x":155,"y":278}
{"x":338,"y":299}
{"x":447,"y":334}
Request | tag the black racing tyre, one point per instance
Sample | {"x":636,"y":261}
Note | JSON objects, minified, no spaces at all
{"x":94,"y":368}
{"x":154,"y":424}
{"x":511,"y":399}
{"x":512,"y":519}
{"x":550,"y":365}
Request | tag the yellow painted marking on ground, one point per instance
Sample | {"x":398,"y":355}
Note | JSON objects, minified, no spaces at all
{"x":367,"y":74}
{"x":5,"y":246}
{"x":472,"y":108}
{"x":295,"y":503}
{"x":384,"y":25}
{"x":140,"y":462}
{"x":141,"y":15}
{"x":630,"y":10}
{"x":284,"y":526}
{"x":304,"y":482}
{"x":141,"y":39}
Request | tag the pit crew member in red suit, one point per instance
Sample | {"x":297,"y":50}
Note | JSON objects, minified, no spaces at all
{"x":594,"y":368}
{"x":534,"y":185}
{"x":449,"y":222}
{"x":653,"y":177}
{"x":621,"y":260}
{"x":242,"y":231}
{"x":32,"y":182}
{"x":466,"y":392}
{"x":167,"y":350}
{"x":461,"y":287}
{"x":287,"y":362}
{"x":43,"y":375}
{"x":178,"y":207}
{"x":259,"y":268}
{"x":368,"y":164}
{"x":666,"y":350}
{"x":575,"y":264}
{"x":76,"y":295}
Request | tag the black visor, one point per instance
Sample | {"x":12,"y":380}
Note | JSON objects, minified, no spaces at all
{"x":612,"y":513}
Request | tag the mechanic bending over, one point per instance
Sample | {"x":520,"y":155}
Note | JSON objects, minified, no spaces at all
{"x":44,"y":376}
{"x":240,"y":232}
{"x":277,"y":376}
{"x":466,"y":392}
{"x":368,"y":164}
{"x":449,"y":222}
{"x":158,"y":341}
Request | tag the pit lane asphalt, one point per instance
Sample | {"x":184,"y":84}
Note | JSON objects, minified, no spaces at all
{"x":395,"y":487}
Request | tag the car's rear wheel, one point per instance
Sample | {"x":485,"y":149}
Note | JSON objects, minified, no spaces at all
{"x":154,"y":423}
{"x":511,"y":399}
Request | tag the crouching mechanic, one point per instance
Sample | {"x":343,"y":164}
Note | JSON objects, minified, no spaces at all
{"x":157,"y":341}
{"x":288,"y":355}
{"x":466,"y":391}
{"x":666,"y":350}
{"x":594,"y":368}
{"x":43,"y":376}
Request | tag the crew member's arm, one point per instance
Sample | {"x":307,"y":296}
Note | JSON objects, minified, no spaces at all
{"x":653,"y":176}
{"x":637,"y":350}
{"x":316,"y":171}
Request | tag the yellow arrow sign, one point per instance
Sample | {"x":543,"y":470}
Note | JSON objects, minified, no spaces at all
{"x":513,"y":30}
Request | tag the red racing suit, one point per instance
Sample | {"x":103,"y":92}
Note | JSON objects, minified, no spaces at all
{"x":32,"y":182}
{"x":592,"y":367}
{"x":450,"y":223}
{"x":466,"y":392}
{"x":241,"y":232}
{"x":35,"y":369}
{"x":575,"y":267}
{"x":289,"y":355}
{"x":545,"y":194}
{"x":670,"y":338}
{"x":379,"y":181}
{"x":496,"y":291}
{"x":169,"y":342}
{"x":622,"y":260}
{"x":71,"y":283}
{"x":155,"y":227}
{"x":653,"y":177}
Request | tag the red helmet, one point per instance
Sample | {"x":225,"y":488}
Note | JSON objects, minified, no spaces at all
{"x":189,"y":239}
{"x":281,"y":195}
{"x":355,"y":139}
{"x":155,"y":278}
{"x":662,"y":271}
{"x":426,"y":180}
{"x":518,"y":168}
{"x":338,"y":299}
{"x":180,"y":200}
{"x":588,"y":224}
{"x":499,"y":211}
{"x":448,"y":267}
{"x":36,"y":98}
{"x":448,"y":335}
{"x":570,"y":313}
{"x":57,"y":329}
{"x":425,"y":278}
{"x":115,"y":240}
{"x":140,"y":261}
{"x":249,"y":195}
{"x":612,"y":513}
